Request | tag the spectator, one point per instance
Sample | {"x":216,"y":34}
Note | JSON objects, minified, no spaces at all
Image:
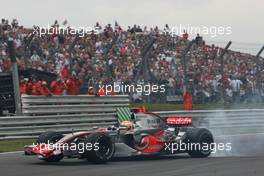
{"x":185,"y":35}
{"x":36,"y":88}
{"x":58,"y":87}
{"x":35,"y":57}
{"x":198,"y":39}
{"x":44,"y":90}
{"x":30,"y":86}
{"x":23,"y":86}
{"x":101,"y":92}
{"x":91,"y":91}
{"x":65,"y":73}
{"x":236,"y":85}
{"x":73,"y":85}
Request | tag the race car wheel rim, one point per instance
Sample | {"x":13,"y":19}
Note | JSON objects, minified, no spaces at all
{"x":105,"y":148}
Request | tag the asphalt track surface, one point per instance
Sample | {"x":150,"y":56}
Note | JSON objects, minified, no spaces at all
{"x":247,"y":161}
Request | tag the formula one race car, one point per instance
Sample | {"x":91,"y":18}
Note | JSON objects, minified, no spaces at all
{"x":142,"y":133}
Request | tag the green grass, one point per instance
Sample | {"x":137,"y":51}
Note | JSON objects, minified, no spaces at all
{"x":14,"y":144}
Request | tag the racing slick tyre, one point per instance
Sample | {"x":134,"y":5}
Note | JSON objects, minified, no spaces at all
{"x":103,"y":148}
{"x":50,"y":137}
{"x":200,"y":139}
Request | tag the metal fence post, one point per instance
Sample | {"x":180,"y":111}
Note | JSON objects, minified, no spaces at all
{"x":259,"y":68}
{"x":144,"y":65}
{"x":221,"y":57}
{"x":15,"y":78}
{"x":184,"y":63}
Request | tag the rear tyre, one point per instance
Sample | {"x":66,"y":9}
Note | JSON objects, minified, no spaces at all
{"x":50,"y":137}
{"x":103,"y":148}
{"x":202,"y":139}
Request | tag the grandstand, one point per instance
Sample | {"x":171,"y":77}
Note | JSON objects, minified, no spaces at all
{"x":115,"y":55}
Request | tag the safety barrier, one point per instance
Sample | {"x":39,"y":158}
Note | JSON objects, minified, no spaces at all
{"x":42,"y":105}
{"x":73,"y":113}
{"x":62,"y":113}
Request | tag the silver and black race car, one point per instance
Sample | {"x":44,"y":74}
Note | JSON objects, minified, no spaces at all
{"x":145,"y":134}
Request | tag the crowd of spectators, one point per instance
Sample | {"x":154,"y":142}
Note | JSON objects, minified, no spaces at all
{"x":114,"y":54}
{"x":31,"y":86}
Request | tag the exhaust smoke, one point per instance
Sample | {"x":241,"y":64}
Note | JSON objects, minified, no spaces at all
{"x":243,"y":129}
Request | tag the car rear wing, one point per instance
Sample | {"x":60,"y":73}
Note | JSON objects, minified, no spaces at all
{"x":179,"y":121}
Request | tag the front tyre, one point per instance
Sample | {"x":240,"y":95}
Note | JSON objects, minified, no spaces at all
{"x":200,"y":140}
{"x":50,"y":137}
{"x":103,"y":149}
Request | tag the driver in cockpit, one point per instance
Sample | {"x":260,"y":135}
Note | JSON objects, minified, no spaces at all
{"x":130,"y":124}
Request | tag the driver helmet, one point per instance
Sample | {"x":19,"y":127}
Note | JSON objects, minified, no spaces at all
{"x":128,"y":124}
